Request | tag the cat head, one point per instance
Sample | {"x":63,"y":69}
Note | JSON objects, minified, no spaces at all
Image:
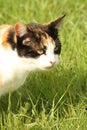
{"x":39,"y":42}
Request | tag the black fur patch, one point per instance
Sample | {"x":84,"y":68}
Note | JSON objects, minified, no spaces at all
{"x":10,"y":39}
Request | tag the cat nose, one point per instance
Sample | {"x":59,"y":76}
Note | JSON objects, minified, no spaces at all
{"x":53,"y":62}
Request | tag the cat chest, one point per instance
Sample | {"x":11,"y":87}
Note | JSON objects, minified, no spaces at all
{"x":11,"y":71}
{"x":12,"y":84}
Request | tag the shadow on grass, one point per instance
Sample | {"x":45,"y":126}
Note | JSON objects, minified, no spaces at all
{"x":63,"y":86}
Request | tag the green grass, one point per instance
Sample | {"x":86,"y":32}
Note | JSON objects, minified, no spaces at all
{"x":57,"y":99}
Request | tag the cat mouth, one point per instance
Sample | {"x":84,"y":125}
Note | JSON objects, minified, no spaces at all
{"x":48,"y":68}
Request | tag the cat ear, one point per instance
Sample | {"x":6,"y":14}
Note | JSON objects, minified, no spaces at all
{"x":55,"y":24}
{"x":20,"y":29}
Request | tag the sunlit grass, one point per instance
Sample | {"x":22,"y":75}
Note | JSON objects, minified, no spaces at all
{"x":56,"y":99}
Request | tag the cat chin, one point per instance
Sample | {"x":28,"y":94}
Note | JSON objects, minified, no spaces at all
{"x":47,"y":68}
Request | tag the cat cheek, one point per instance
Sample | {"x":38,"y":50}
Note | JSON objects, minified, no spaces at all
{"x":44,"y":61}
{"x":56,"y":58}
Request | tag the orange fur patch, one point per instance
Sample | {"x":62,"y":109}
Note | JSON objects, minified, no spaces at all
{"x":3,"y":26}
{"x":45,"y":41}
{"x":4,"y":38}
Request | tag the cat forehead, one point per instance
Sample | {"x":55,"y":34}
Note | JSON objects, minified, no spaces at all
{"x":37,"y":29}
{"x":38,"y":35}
{"x":38,"y":39}
{"x":36,"y":26}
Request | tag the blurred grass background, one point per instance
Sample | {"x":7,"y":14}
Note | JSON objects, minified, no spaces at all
{"x":56,"y":99}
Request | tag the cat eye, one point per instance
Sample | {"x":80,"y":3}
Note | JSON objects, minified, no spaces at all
{"x":40,"y":52}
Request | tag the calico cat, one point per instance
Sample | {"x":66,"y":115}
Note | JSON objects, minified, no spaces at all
{"x":24,"y":48}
